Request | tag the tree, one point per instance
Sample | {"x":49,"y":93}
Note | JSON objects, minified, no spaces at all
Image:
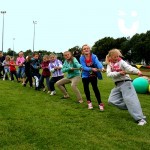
{"x":76,"y":51}
{"x":140,"y":48}
{"x":10,"y":52}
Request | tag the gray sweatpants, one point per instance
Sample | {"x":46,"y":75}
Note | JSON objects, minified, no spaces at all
{"x":124,"y":97}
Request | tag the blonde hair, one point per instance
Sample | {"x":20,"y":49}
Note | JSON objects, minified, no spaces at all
{"x":45,"y":57}
{"x":111,"y":53}
{"x":52,"y":55}
{"x":67,"y":52}
{"x":85,"y":45}
{"x":7,"y":57}
{"x":71,"y":58}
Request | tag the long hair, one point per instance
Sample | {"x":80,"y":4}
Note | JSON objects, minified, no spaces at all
{"x":111,"y":53}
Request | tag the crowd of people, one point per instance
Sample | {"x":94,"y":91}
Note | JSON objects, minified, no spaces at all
{"x":87,"y":68}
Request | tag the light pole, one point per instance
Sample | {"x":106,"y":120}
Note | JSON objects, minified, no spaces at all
{"x":3,"y":12}
{"x":34,"y":23}
{"x":13,"y":47}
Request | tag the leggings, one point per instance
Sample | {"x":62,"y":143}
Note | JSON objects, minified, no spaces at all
{"x":93,"y":81}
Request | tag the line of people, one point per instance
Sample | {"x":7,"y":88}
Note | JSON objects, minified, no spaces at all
{"x":89,"y":69}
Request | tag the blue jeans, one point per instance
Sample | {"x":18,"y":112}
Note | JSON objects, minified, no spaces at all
{"x":41,"y":82}
{"x":21,"y":72}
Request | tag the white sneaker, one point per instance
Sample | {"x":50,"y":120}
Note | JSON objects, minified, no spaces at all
{"x":53,"y":93}
{"x":3,"y":79}
{"x":101,"y":107}
{"x":90,"y":106}
{"x":44,"y":89}
{"x":142,"y":122}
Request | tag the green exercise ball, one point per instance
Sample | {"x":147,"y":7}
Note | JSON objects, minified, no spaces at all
{"x":141,"y":85}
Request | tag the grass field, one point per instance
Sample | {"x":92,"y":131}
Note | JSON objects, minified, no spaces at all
{"x":34,"y":120}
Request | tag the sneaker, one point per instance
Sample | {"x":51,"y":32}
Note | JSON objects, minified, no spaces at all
{"x":80,"y":101}
{"x":53,"y":93}
{"x":37,"y":88}
{"x":3,"y":79}
{"x":90,"y":106}
{"x":44,"y":89}
{"x":65,"y":96}
{"x":101,"y":107}
{"x":24,"y":85}
{"x":141,"y":122}
{"x":48,"y":92}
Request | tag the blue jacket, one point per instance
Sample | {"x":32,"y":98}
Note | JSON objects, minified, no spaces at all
{"x":86,"y":70}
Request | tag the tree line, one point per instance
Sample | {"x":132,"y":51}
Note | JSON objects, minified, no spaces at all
{"x":135,"y":49}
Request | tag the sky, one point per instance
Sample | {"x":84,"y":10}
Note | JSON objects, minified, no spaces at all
{"x":63,"y":24}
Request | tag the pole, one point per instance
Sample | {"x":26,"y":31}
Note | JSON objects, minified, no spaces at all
{"x":34,"y":22}
{"x":13,"y":47}
{"x":3,"y":12}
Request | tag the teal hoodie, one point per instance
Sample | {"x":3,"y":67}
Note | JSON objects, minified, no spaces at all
{"x":67,"y":68}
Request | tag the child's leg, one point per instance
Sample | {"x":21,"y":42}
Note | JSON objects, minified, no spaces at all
{"x":36,"y":81}
{"x":41,"y":82}
{"x":74,"y":82}
{"x":4,"y":76}
{"x":15,"y":73}
{"x":30,"y":80}
{"x":27,"y":79}
{"x":51,"y":83}
{"x":131,"y":99}
{"x":59,"y":78}
{"x":18,"y":73}
{"x":11,"y":75}
{"x":95,"y":89}
{"x":85,"y":82}
{"x":60,"y":84}
{"x":47,"y":83}
{"x":116,"y":99}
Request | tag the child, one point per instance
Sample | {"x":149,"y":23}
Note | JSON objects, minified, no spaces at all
{"x":2,"y":58}
{"x":123,"y":95}
{"x":45,"y":73}
{"x":6,"y":67}
{"x":12,"y":68}
{"x":19,"y":62}
{"x":35,"y":68}
{"x":28,"y":73}
{"x":90,"y":65}
{"x":55,"y":66}
{"x":72,"y":67}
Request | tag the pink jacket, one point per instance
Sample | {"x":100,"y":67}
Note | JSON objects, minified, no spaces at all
{"x":20,"y":60}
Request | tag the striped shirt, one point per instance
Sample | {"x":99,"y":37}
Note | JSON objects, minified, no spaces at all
{"x":52,"y":65}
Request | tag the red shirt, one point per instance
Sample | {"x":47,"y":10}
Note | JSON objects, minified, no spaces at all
{"x":89,"y":63}
{"x":12,"y":67}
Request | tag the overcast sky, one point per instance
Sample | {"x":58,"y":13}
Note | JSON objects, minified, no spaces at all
{"x":63,"y":24}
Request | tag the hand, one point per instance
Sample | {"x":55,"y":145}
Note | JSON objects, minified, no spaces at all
{"x":94,"y":69}
{"x":81,"y":69}
{"x":103,"y":70}
{"x":56,"y":68}
{"x":122,"y":72}
{"x":71,"y":69}
{"x":140,"y":73}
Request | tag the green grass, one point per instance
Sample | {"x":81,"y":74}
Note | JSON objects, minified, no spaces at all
{"x":34,"y":120}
